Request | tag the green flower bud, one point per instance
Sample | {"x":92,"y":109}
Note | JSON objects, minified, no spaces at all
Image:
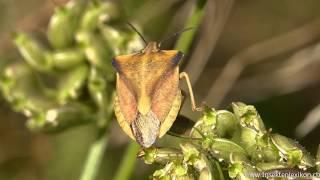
{"x":242,"y":171}
{"x":205,"y":125}
{"x":248,"y":137}
{"x":248,"y":116}
{"x":192,"y":156}
{"x":159,"y":155}
{"x":65,"y":59}
{"x":257,"y":145}
{"x":173,"y":171}
{"x":226,"y":124}
{"x":123,"y":40}
{"x":222,"y":148}
{"x":64,"y":23}
{"x":22,"y":89}
{"x":98,"y":52}
{"x":97,"y":86}
{"x":133,"y":44}
{"x":57,"y":119}
{"x":70,"y":84}
{"x":240,"y":167}
{"x":102,"y":94}
{"x":32,"y":52}
{"x":97,"y":13}
{"x":205,"y":174}
{"x":292,"y":152}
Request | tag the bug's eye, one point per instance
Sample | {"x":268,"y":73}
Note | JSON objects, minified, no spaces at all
{"x":176,"y":59}
{"x":115,"y":64}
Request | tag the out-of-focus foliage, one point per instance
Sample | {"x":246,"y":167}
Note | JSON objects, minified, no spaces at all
{"x":65,"y":78}
{"x":69,"y":81}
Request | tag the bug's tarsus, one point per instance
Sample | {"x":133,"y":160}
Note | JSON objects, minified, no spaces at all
{"x":193,"y":102}
{"x":174,"y":35}
{"x":135,"y":29}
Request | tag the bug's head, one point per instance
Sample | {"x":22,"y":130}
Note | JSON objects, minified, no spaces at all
{"x":151,"y":47}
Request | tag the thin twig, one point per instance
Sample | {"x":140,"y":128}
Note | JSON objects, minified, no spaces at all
{"x":258,"y":52}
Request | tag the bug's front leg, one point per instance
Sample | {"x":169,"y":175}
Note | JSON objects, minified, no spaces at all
{"x":193,"y":103}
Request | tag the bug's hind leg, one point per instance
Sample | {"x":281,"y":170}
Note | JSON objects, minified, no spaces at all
{"x":193,"y":103}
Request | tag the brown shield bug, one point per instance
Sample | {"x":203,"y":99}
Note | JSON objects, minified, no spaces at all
{"x":148,"y":97}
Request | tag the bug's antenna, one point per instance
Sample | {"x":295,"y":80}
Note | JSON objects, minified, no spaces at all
{"x":175,"y":34}
{"x":135,"y":29}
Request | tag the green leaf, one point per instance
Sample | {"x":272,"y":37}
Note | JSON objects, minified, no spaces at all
{"x":97,"y":51}
{"x":65,"y":59}
{"x":21,"y":87}
{"x":98,"y":13}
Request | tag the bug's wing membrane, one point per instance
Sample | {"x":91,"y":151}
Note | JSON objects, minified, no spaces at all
{"x":145,"y":129}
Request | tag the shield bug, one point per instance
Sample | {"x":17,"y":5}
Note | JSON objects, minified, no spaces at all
{"x":148,"y":97}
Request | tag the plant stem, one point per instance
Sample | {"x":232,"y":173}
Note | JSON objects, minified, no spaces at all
{"x":194,"y":21}
{"x":95,"y":156}
{"x":127,"y":164}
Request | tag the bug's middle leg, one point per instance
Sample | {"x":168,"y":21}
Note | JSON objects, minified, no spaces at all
{"x":193,"y":102}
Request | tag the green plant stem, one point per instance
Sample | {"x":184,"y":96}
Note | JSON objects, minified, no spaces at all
{"x":95,"y":156}
{"x":193,"y":21}
{"x":127,"y":164}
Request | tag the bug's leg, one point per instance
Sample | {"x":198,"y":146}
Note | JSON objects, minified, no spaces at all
{"x":193,"y":103}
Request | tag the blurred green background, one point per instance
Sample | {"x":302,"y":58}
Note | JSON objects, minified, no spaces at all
{"x":283,"y":90}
